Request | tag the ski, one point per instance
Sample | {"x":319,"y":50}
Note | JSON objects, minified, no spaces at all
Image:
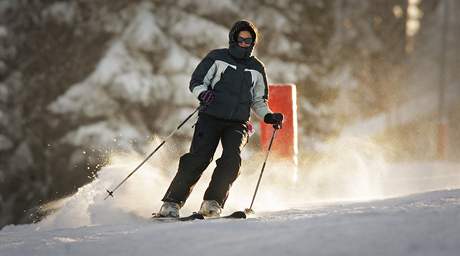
{"x":159,"y":218}
{"x":236,"y":215}
{"x":199,"y":216}
{"x":193,"y":216}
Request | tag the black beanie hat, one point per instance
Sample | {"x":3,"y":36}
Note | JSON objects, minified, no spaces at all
{"x":242,"y":25}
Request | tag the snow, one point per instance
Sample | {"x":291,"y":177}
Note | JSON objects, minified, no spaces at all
{"x":119,"y":132}
{"x":278,"y":22}
{"x":419,"y":225}
{"x":188,"y":26}
{"x":126,"y":75}
{"x":143,"y":31}
{"x":5,"y":143}
{"x":352,"y":202}
{"x":286,"y":72}
{"x":22,"y":157}
{"x":77,"y":99}
{"x":3,"y":31}
{"x":289,"y":220}
{"x":177,"y":60}
{"x":208,"y":7}
{"x":424,"y":105}
{"x":61,"y":11}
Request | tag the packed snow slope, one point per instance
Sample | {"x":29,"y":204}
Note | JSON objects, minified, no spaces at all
{"x":421,"y":216}
{"x":422,"y":224}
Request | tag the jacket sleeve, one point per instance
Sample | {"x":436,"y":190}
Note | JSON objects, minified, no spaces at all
{"x":260,"y":95}
{"x":202,"y":76}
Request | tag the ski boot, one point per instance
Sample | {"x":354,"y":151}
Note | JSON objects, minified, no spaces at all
{"x":169,"y":209}
{"x":210,"y":208}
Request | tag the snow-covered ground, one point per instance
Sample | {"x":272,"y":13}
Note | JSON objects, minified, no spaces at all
{"x":423,"y":224}
{"x":427,"y":222}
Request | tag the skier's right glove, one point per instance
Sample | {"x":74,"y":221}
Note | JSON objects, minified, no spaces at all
{"x":274,"y":118}
{"x":206,"y":97}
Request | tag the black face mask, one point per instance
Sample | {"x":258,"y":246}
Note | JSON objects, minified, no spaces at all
{"x":239,"y":52}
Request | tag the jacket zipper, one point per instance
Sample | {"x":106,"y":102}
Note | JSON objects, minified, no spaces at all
{"x":240,"y":72}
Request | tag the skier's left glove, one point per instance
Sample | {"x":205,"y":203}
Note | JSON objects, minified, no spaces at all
{"x":274,"y":118}
{"x":206,"y":97}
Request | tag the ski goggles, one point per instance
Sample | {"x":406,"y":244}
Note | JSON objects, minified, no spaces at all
{"x":248,"y":40}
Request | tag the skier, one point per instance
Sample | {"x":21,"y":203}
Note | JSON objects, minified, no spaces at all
{"x":228,"y":83}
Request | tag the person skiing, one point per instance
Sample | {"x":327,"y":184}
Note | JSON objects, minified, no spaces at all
{"x":228,"y":82}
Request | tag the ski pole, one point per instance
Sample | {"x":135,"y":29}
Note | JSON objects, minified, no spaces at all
{"x":275,"y":128}
{"x":110,"y":193}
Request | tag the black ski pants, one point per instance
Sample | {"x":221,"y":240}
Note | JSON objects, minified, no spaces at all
{"x":208,"y":132}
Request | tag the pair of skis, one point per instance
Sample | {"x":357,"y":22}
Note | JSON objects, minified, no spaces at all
{"x":199,"y":216}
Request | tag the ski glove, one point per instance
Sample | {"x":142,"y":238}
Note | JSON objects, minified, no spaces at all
{"x":206,"y":97}
{"x":274,"y":118}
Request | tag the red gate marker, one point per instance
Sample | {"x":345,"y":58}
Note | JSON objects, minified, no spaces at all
{"x":282,"y":98}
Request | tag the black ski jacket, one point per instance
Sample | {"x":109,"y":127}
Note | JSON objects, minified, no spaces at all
{"x":237,"y":78}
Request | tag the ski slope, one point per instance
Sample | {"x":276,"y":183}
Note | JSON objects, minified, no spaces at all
{"x":426,"y":222}
{"x":422,"y":224}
